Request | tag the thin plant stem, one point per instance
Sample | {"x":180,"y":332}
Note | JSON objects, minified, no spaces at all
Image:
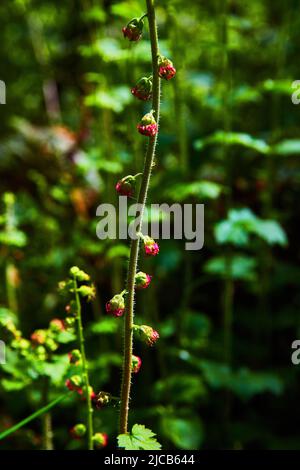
{"x":134,"y":250}
{"x":47,"y":432}
{"x":85,"y":373}
{"x":35,"y":415}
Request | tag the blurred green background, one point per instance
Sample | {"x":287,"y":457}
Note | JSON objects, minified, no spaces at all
{"x":221,"y":375}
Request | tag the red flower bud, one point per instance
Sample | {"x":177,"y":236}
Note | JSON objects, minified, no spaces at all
{"x":150,"y":246}
{"x":142,"y":280}
{"x":134,"y":29}
{"x":116,"y":306}
{"x":81,"y":392}
{"x":57,"y":325}
{"x":166,"y":69}
{"x":147,"y":334}
{"x":126,"y":186}
{"x":148,"y":125}
{"x":136,"y":363}
{"x":78,"y":431}
{"x":143,"y":89}
{"x":100,"y":440}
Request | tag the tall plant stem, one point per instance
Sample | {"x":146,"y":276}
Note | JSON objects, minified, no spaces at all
{"x":85,"y":372}
{"x":46,"y":418}
{"x":134,"y":250}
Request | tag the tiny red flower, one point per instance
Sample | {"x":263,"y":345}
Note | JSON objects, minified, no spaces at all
{"x":100,"y":439}
{"x":74,"y":383}
{"x":166,"y":68}
{"x":142,"y":280}
{"x":126,"y":186}
{"x":136,"y":364}
{"x":116,"y":305}
{"x":143,"y":89}
{"x":39,"y":337}
{"x":147,"y":334}
{"x":148,"y":125}
{"x":134,"y":29}
{"x":150,"y":246}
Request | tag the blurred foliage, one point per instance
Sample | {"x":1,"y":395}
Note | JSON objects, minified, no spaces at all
{"x":221,"y":375}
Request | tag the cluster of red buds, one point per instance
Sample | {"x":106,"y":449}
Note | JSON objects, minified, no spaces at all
{"x":116,"y":305}
{"x":146,"y":333}
{"x":143,"y":89}
{"x":148,"y":125}
{"x":166,"y":68}
{"x":134,"y":29}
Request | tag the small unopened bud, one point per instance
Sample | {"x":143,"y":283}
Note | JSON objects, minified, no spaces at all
{"x":148,"y":125}
{"x":100,"y":440}
{"x":143,"y":89}
{"x":136,"y":363}
{"x":147,"y":334}
{"x":87,"y":291}
{"x":38,"y":337}
{"x":57,"y":325}
{"x":78,"y":431}
{"x":126,"y":186}
{"x":150,"y":246}
{"x":116,"y":305}
{"x":142,"y":280}
{"x":74,"y":382}
{"x":134,"y":29}
{"x":166,"y":68}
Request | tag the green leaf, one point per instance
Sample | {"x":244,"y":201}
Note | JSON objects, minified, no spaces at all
{"x":140,"y":438}
{"x":241,"y":267}
{"x":287,"y":147}
{"x":199,"y":189}
{"x":234,"y":138}
{"x":13,"y":237}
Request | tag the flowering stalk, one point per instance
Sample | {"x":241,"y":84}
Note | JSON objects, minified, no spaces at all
{"x":89,"y":408}
{"x":132,"y":268}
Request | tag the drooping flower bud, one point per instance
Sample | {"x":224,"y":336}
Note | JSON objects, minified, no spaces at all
{"x":78,"y":431}
{"x":134,"y":29}
{"x":57,"y":325}
{"x":74,"y":382}
{"x":143,"y":89}
{"x":148,"y":125}
{"x":74,"y":356}
{"x":142,"y":280}
{"x":116,"y":305}
{"x":79,"y":274}
{"x":100,"y":439}
{"x":38,"y":337}
{"x":150,"y":246}
{"x":126,"y":186}
{"x":166,"y":68}
{"x":136,"y":363}
{"x":103,"y":399}
{"x":146,"y":334}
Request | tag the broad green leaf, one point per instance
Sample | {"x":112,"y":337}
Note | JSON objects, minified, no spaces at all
{"x":234,"y":138}
{"x":287,"y":147}
{"x":200,"y":189}
{"x":241,"y":267}
{"x":140,"y":438}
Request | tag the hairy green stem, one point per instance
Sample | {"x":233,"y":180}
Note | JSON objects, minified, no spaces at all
{"x":85,"y":373}
{"x":47,"y":432}
{"x":35,"y":415}
{"x":134,"y":250}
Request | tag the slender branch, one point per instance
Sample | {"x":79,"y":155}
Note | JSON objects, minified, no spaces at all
{"x":85,"y":373}
{"x":134,"y":250}
{"x":35,"y":415}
